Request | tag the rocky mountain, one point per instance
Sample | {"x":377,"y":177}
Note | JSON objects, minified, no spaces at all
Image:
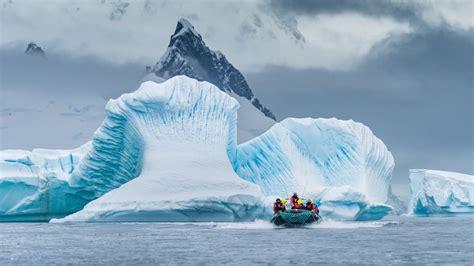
{"x":187,"y":54}
{"x":34,"y":50}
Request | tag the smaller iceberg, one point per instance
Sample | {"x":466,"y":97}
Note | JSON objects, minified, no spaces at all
{"x":440,"y":193}
{"x":341,"y":164}
{"x":36,"y":185}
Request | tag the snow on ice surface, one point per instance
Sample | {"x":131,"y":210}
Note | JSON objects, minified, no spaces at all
{"x":168,"y":152}
{"x":339,"y":163}
{"x":183,"y":131}
{"x":440,"y":193}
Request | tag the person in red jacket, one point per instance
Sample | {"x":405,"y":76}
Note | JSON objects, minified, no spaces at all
{"x":299,"y":204}
{"x":310,"y":206}
{"x":278,"y":206}
{"x":294,"y":200}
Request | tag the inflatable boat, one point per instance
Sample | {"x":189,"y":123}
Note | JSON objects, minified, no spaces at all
{"x":295,"y":217}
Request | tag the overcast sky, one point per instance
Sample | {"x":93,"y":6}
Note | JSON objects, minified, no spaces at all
{"x":405,"y":69}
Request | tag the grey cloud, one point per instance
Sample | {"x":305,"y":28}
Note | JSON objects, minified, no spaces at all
{"x":398,"y":10}
{"x":66,"y":75}
{"x":119,"y":10}
{"x":416,"y":94}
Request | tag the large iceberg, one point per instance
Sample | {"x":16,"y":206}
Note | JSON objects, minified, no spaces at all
{"x":440,"y":193}
{"x":179,"y":133}
{"x":168,"y":152}
{"x":339,"y":163}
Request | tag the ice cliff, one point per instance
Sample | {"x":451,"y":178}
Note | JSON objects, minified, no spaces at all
{"x":339,"y":163}
{"x":440,"y":193}
{"x":36,"y":186}
{"x":168,"y":152}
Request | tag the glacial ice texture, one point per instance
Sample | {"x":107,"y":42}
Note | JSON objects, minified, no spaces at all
{"x":36,"y":185}
{"x":180,"y":133}
{"x":440,"y":193}
{"x":339,"y":163}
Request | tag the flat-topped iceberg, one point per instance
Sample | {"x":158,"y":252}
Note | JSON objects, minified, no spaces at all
{"x":339,"y":163}
{"x":168,"y":152}
{"x":36,"y":185}
{"x":440,"y":193}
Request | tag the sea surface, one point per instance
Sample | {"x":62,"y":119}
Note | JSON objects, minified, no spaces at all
{"x":396,"y":240}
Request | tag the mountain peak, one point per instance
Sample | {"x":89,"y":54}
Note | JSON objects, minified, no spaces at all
{"x":187,"y":54}
{"x":184,"y":28}
{"x":34,"y":50}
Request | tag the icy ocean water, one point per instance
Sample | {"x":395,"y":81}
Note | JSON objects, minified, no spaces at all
{"x":399,"y":240}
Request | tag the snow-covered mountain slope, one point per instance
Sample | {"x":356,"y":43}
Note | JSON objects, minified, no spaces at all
{"x":168,"y":152}
{"x":340,"y":163}
{"x":187,"y":54}
{"x":440,"y":193}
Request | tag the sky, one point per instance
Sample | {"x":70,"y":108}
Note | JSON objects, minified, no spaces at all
{"x":404,"y":68}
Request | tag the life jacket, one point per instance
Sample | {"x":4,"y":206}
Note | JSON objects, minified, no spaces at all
{"x":278,"y":207}
{"x":298,"y":206}
{"x":294,"y":201}
{"x":312,"y":207}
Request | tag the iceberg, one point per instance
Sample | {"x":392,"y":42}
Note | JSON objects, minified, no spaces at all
{"x":340,"y":163}
{"x":440,"y":193}
{"x":174,"y":138}
{"x":168,"y":152}
{"x":35,"y":186}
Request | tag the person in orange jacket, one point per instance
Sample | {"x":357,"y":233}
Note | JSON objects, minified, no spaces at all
{"x":294,"y":200}
{"x":311,"y":206}
{"x":278,"y":206}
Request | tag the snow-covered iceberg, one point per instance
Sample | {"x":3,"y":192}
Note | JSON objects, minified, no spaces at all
{"x":175,"y":136}
{"x":168,"y":152}
{"x":340,"y":163}
{"x":440,"y":193}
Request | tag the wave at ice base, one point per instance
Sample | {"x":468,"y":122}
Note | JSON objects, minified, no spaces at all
{"x":440,"y":193}
{"x":339,"y":163}
{"x":183,"y":131}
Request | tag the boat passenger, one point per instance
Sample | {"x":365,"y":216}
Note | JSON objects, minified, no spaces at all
{"x":299,"y":204}
{"x":278,"y":206}
{"x":311,"y":206}
{"x":294,"y":199}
